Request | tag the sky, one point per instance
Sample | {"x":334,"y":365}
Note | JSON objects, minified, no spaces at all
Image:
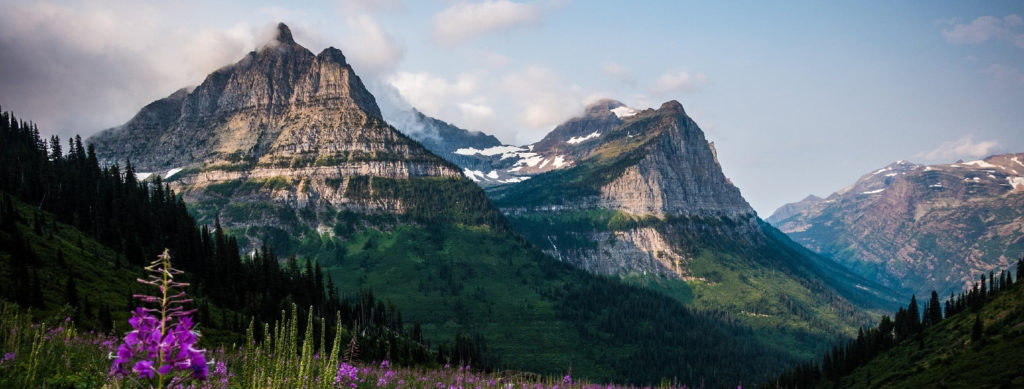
{"x":799,"y":97}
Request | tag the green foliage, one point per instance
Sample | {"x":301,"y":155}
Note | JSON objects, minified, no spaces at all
{"x":49,"y":354}
{"x":542,"y":315}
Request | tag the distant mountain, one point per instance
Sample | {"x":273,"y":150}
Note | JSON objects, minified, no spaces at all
{"x":646,"y":200}
{"x":918,"y":227}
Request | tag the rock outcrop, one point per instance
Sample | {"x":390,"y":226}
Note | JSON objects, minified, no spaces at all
{"x":919,"y":227}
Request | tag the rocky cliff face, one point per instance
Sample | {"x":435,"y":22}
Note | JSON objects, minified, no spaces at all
{"x":280,"y":129}
{"x":646,"y":168}
{"x":920,"y":227}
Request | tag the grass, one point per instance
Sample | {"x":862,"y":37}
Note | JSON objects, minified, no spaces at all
{"x":56,"y":354}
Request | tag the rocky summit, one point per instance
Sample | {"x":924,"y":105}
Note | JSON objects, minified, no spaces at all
{"x":280,"y":130}
{"x":655,"y":165}
{"x":918,"y":227}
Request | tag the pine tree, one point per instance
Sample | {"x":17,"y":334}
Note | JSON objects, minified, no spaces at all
{"x":71,"y":292}
{"x":934,"y":311}
{"x":976,"y":329}
{"x":913,"y":316}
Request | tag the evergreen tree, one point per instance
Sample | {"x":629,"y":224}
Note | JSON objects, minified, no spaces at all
{"x":71,"y":291}
{"x":913,"y":317}
{"x":934,"y":311}
{"x":976,"y":330}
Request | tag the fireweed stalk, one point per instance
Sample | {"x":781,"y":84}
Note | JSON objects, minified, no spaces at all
{"x":160,"y":346}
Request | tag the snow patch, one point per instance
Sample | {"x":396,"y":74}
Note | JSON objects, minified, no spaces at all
{"x":873,"y":191}
{"x":577,"y":140}
{"x":936,"y":185}
{"x":493,"y":175}
{"x":624,"y":112}
{"x":884,"y":169}
{"x":514,"y":180}
{"x":142,"y":176}
{"x":505,"y":151}
{"x":474,"y":175}
{"x":1016,"y":182}
{"x":531,"y":160}
{"x":1014,"y":159}
{"x":559,"y":161}
{"x":979,"y":163}
{"x":893,"y":174}
{"x":172,"y":172}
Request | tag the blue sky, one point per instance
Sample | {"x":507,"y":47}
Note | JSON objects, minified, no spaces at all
{"x":799,"y":97}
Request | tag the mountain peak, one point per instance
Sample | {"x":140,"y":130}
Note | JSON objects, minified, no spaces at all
{"x":602,"y":106}
{"x":284,"y":34}
{"x":332,"y":54}
{"x":672,"y":106}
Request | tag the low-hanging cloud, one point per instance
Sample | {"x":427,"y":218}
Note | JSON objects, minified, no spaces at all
{"x":1009,"y":28}
{"x":961,"y":148}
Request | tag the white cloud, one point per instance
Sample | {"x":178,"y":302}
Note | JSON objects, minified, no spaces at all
{"x":677,"y":82}
{"x":369,"y":47}
{"x":987,"y":28}
{"x":542,"y":99}
{"x":619,"y":72}
{"x":464,"y":21}
{"x":1005,"y":74}
{"x":430,"y":93}
{"x":371,"y":5}
{"x":961,"y":148}
{"x":86,"y":66}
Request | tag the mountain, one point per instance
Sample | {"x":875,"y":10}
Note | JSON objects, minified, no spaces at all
{"x":917,"y":227}
{"x":646,"y":200}
{"x":288,"y":148}
{"x":282,"y":137}
{"x":491,"y":163}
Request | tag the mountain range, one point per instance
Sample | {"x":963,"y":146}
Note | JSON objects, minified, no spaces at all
{"x":916,"y":227}
{"x":289,"y":148}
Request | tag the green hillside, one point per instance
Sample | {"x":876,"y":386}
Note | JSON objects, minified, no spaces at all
{"x":948,"y":357}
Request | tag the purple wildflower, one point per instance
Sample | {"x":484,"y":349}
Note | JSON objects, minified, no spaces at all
{"x":8,"y":357}
{"x":167,"y":341}
{"x":347,"y":374}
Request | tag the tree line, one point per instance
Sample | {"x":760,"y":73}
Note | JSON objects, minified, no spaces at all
{"x":908,"y":325}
